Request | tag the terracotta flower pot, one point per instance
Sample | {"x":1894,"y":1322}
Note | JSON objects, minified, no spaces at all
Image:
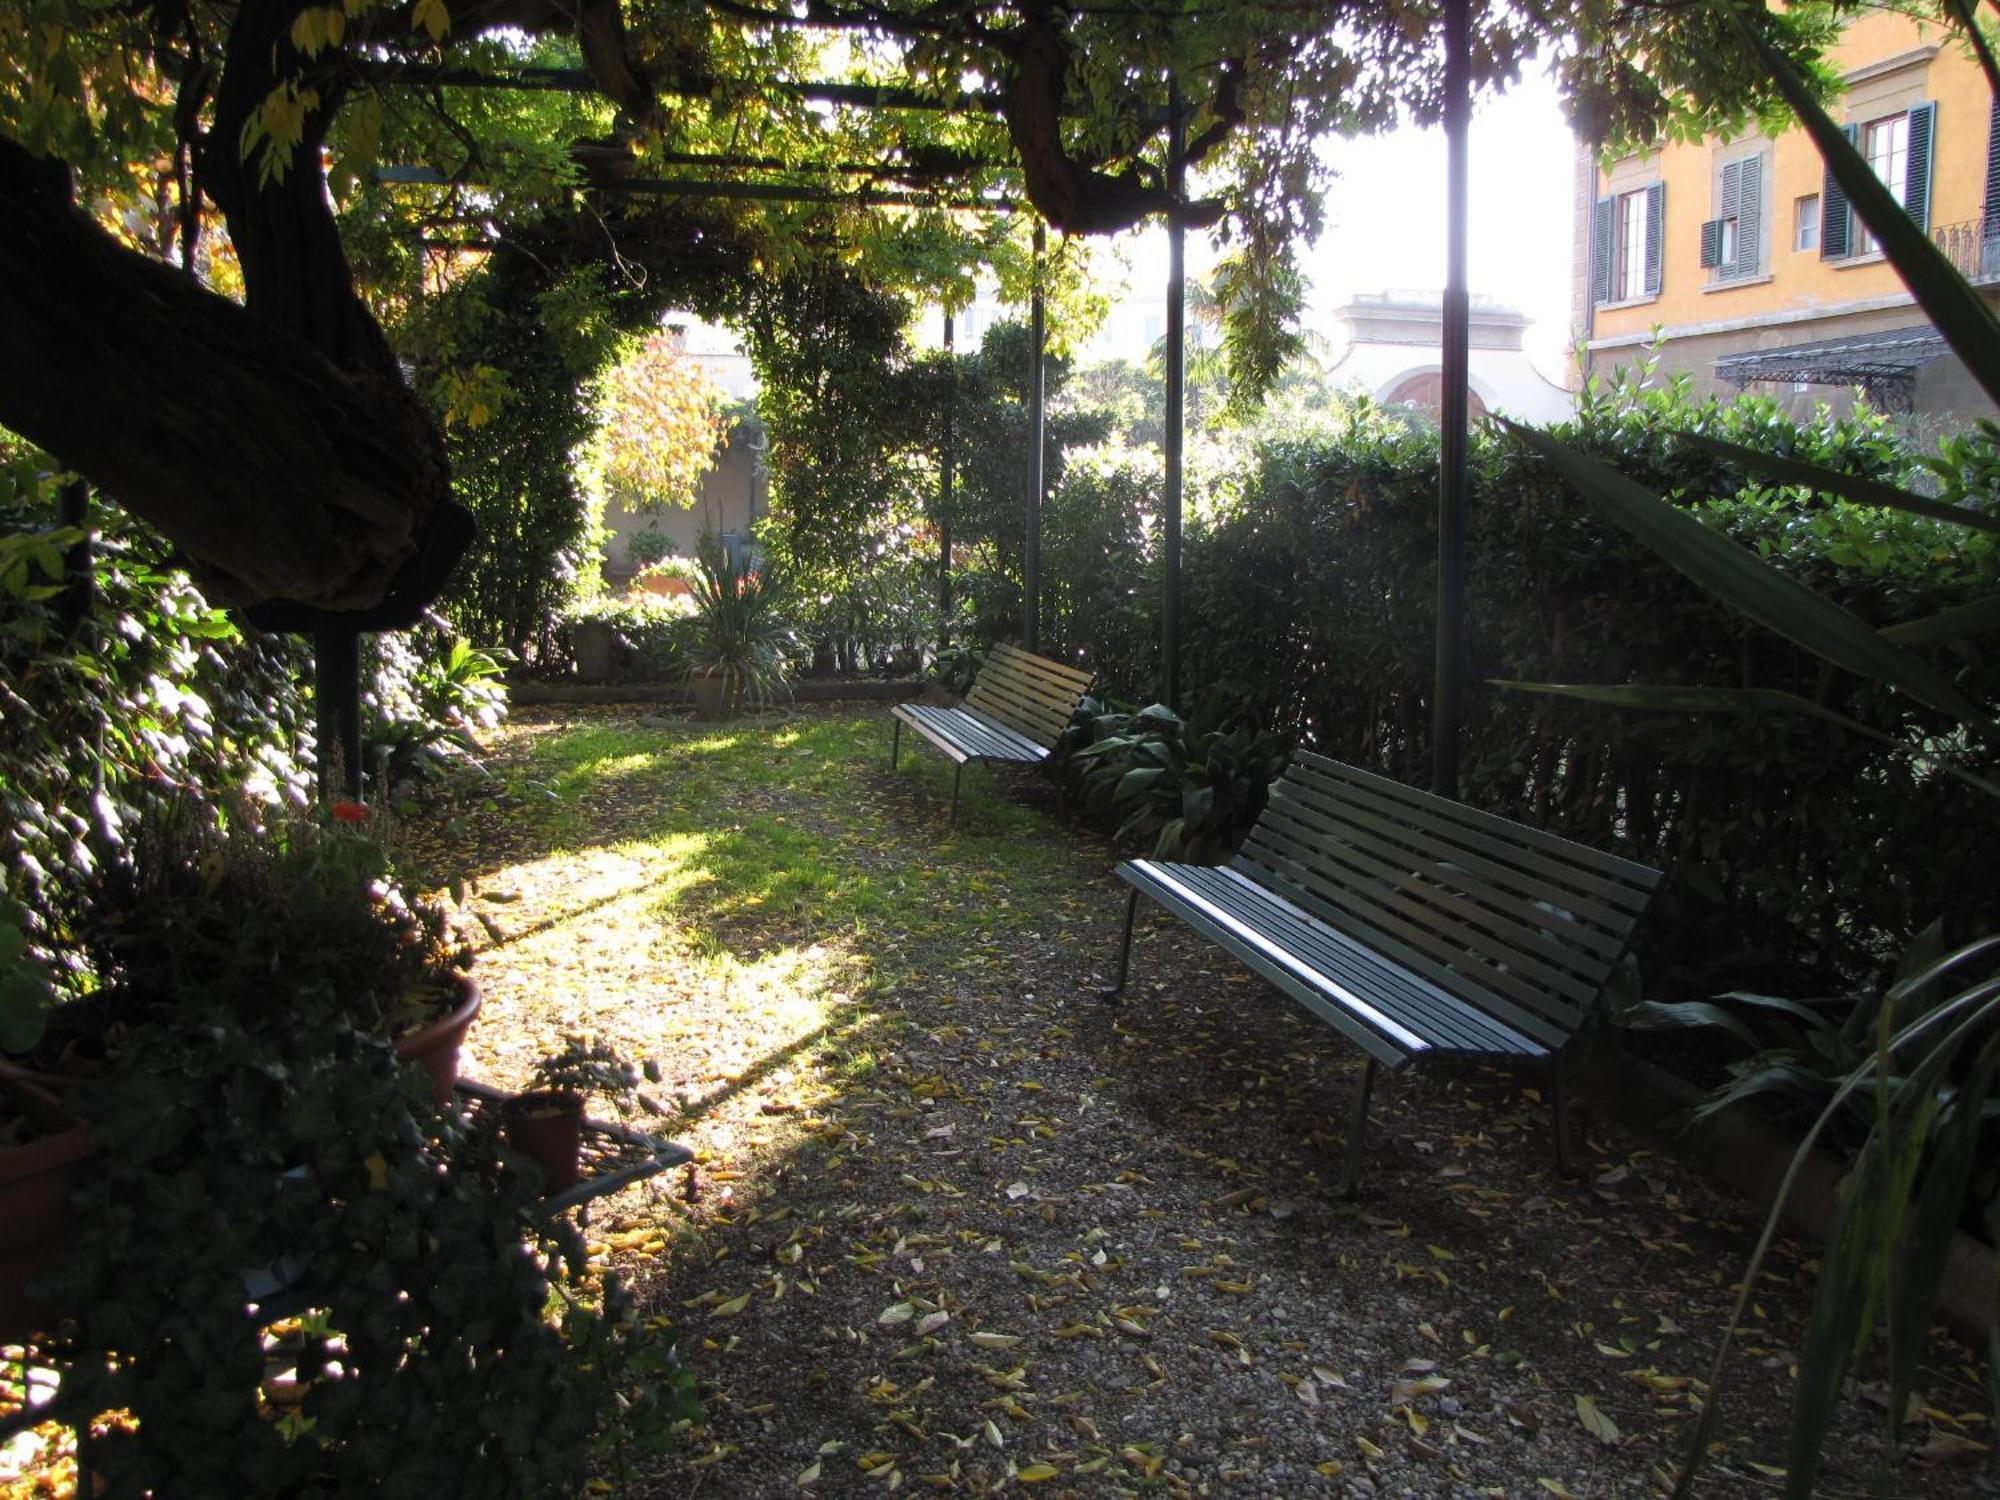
{"x":711,"y":695}
{"x":435,"y":1047}
{"x":547,"y":1128}
{"x":35,"y":1182}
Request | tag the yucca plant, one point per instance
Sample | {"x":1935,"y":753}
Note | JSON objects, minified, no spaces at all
{"x":742,"y":637}
{"x":1924,"y":1077}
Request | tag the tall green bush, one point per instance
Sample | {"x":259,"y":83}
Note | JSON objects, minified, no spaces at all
{"x":1803,"y":856}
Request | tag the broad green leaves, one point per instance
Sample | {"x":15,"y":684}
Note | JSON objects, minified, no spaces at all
{"x":1740,"y":579}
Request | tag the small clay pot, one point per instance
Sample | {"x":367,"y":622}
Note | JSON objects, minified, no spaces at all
{"x":711,"y":695}
{"x":35,"y":1183}
{"x":434,"y":1048}
{"x":547,"y":1128}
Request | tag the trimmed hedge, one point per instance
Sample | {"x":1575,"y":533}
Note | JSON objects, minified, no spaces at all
{"x":1801,"y":856}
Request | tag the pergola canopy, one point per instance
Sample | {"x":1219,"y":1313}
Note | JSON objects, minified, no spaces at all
{"x":1885,"y":365}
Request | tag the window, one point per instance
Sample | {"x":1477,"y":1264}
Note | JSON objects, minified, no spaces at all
{"x":1629,"y":274}
{"x":1898,"y":147}
{"x":1625,"y":245}
{"x":1886,"y":144}
{"x":1805,"y":222}
{"x":1732,"y":243}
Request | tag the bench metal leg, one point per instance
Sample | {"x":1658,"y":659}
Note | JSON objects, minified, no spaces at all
{"x":957,"y":772}
{"x":1124,"y":949}
{"x":1559,"y":1098}
{"x":1357,"y":1132}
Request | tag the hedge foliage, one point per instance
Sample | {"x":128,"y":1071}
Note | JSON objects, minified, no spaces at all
{"x":1801,"y":855}
{"x":138,"y":692}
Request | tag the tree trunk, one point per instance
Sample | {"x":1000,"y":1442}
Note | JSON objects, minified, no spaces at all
{"x":280,"y":474}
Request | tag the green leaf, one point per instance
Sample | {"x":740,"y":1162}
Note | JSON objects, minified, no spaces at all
{"x":1736,"y":576}
{"x":1196,"y":804}
{"x":25,"y":998}
{"x":1136,"y":782}
{"x":1667,"y":698}
{"x":1856,"y":1256}
{"x":1653,"y":1015}
{"x":1950,"y":624}
{"x":1959,"y":313}
{"x":1932,"y":1223}
{"x":1848,"y":486}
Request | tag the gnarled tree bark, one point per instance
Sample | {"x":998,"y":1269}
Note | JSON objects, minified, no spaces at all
{"x":281,"y":472}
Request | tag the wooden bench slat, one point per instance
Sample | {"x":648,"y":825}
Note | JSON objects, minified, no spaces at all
{"x":1390,"y":850}
{"x":1550,"y":1019}
{"x":1483,"y":859}
{"x":1409,"y":935}
{"x":1506,"y":869}
{"x":1027,"y":697}
{"x":1443,"y":1019}
{"x":1378,"y":1035}
{"x":1073,"y":680}
{"x":1620,"y":882}
{"x":1573,"y":853}
{"x":1458,"y":921}
{"x":970,"y":735}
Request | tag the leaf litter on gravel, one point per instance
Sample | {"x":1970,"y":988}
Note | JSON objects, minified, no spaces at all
{"x":954,"y":1224}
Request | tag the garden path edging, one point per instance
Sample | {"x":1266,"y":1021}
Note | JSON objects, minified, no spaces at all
{"x":1748,"y":1156}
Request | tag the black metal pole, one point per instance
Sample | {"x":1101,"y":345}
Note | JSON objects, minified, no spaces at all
{"x":1031,"y":563}
{"x":946,"y":476}
{"x":1447,"y":708}
{"x":1176,"y":404}
{"x":337,"y":711}
{"x":79,"y":582}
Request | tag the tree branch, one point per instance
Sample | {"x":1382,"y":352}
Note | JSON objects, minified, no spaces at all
{"x":279,"y":472}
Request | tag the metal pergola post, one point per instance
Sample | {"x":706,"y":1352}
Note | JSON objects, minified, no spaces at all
{"x":79,"y":590}
{"x":1176,"y":403}
{"x":337,"y":711}
{"x":1447,"y":706}
{"x":1031,"y":564}
{"x":946,"y":476}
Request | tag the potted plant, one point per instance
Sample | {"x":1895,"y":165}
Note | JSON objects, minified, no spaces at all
{"x":41,"y":1143}
{"x":545,"y":1122}
{"x":301,"y":910}
{"x":741,"y":639}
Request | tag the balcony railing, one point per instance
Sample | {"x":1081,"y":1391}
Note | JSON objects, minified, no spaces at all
{"x":1972,"y":246}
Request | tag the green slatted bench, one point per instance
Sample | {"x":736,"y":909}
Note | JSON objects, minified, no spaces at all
{"x":1018,"y":708}
{"x":1412,"y":924}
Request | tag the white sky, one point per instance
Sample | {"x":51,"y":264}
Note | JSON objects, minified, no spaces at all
{"x":1386,"y":219}
{"x":1386,"y":215}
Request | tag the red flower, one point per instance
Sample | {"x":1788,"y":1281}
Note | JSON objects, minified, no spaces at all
{"x":349,"y":812}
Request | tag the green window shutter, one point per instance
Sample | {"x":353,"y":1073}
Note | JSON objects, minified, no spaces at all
{"x":1711,"y":242}
{"x":1917,"y":180}
{"x":1732,"y":197}
{"x":1656,"y":206}
{"x":1992,"y":215}
{"x":1603,"y":241}
{"x":1749,"y":216}
{"x":1835,"y":218}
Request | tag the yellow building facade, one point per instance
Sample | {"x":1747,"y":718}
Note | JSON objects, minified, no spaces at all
{"x":1743,"y":259}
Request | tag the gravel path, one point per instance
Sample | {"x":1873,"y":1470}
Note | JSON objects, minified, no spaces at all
{"x":957,"y":1224}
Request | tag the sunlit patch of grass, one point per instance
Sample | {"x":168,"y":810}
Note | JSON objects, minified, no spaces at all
{"x":726,"y":894}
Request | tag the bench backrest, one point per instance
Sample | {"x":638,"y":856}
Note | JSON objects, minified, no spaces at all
{"x":1028,"y":693}
{"x":1519,"y":923}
